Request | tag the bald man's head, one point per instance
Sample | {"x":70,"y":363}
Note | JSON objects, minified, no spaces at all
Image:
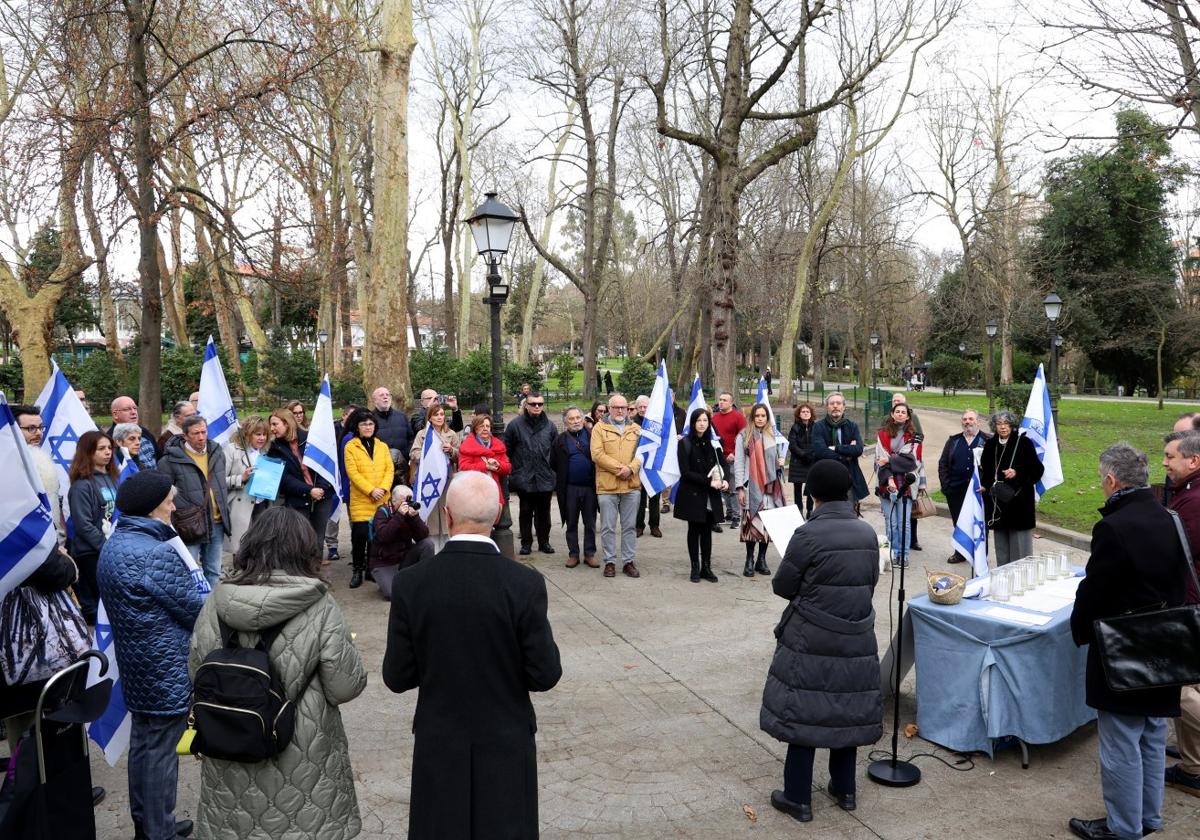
{"x":472,"y":503}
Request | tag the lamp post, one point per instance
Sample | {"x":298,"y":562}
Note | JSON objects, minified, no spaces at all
{"x":1053,"y":306}
{"x":992,"y":327}
{"x":491,"y":227}
{"x":323,"y":337}
{"x":872,"y":393}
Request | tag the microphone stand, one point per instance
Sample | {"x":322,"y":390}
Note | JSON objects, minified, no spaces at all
{"x":891,"y":772}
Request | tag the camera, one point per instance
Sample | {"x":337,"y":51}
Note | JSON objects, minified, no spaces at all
{"x":414,"y":504}
{"x":441,"y":399}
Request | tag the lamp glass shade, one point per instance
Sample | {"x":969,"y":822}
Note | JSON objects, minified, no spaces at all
{"x":322,"y":336}
{"x":874,"y":339}
{"x":1058,"y":341}
{"x":1053,"y":304}
{"x":491,"y":227}
{"x":993,"y":327}
{"x":962,"y":348}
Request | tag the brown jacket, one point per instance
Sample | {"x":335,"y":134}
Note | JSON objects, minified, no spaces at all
{"x":612,"y":450}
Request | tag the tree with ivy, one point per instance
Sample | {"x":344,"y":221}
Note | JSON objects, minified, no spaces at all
{"x":1105,"y":247}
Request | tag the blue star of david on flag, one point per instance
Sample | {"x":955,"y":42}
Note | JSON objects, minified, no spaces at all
{"x":57,"y":454}
{"x":432,"y":473}
{"x":431,"y":490}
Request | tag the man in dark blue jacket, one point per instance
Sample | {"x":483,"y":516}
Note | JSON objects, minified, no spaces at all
{"x":957,"y":465}
{"x":836,"y":437}
{"x":571,"y":458}
{"x":151,"y":599}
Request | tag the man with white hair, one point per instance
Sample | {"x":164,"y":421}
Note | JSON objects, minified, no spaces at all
{"x":469,"y":629}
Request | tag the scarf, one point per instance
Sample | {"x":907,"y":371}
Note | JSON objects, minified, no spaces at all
{"x":758,"y":462}
{"x":295,"y":447}
{"x":834,"y":424}
{"x":369,"y":445}
{"x":481,"y":442}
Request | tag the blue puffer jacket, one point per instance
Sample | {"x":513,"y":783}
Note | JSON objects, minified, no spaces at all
{"x":152,"y":604}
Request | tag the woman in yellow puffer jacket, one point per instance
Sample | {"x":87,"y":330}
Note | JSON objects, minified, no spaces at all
{"x":369,"y":468}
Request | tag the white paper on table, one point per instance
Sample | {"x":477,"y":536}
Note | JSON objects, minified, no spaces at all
{"x":1062,"y":587}
{"x":781,"y":523}
{"x":1016,"y":616}
{"x":1042,"y":601}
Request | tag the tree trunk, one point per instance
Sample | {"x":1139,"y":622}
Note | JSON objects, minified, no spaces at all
{"x":724,"y":284}
{"x":385,"y":348}
{"x":108,"y":310}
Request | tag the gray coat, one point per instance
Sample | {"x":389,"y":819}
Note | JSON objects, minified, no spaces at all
{"x":823,"y":686}
{"x":307,"y":791}
{"x":529,"y":445}
{"x":189,"y":481}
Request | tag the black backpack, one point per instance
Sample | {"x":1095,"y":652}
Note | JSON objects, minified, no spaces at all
{"x":239,"y":709}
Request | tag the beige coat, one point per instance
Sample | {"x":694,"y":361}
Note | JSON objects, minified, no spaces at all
{"x":612,"y":450}
{"x":307,"y":791}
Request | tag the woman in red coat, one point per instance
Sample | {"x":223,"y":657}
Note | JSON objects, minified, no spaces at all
{"x":486,"y":454}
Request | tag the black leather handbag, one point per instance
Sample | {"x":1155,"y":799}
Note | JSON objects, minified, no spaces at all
{"x":1154,"y":648}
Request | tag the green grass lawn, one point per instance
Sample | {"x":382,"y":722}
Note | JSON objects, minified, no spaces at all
{"x":1087,"y":427}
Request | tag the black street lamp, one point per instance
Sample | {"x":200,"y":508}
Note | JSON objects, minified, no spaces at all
{"x":323,"y":337}
{"x":962,"y":347}
{"x":1053,"y":306}
{"x":873,"y":393}
{"x":992,"y":327}
{"x":491,"y":226}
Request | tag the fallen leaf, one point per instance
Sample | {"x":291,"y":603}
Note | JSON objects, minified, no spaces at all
{"x":748,"y":810}
{"x":910,"y":730}
{"x":630,"y":667}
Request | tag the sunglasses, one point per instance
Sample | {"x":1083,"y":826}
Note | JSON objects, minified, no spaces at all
{"x":534,"y":404}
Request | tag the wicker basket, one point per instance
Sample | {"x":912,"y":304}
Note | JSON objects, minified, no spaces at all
{"x":946,"y":597}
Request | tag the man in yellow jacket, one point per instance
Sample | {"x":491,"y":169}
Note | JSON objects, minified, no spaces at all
{"x":618,"y":489}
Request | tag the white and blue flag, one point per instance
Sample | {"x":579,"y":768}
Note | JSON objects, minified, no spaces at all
{"x":216,"y":405}
{"x":696,"y":403}
{"x":1038,"y":426}
{"x":432,"y":473}
{"x":110,"y":731}
{"x":657,"y":446}
{"x":66,"y":420}
{"x":765,"y":398}
{"x":321,"y":449}
{"x":970,"y":531}
{"x":27,"y":533}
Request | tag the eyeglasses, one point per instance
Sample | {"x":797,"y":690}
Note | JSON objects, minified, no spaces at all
{"x":33,"y":428}
{"x":533,"y":404}
{"x":618,"y":408}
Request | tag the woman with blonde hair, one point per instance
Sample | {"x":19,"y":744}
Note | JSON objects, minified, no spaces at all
{"x":759,"y":476}
{"x":435,"y":418}
{"x":241,"y":455}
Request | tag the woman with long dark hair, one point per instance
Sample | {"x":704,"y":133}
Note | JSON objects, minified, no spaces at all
{"x":758,"y":476}
{"x":703,"y":476}
{"x":276,"y":593}
{"x":93,"y":500}
{"x":1009,"y":470}
{"x":898,"y":465}
{"x":800,"y":448}
{"x":370,"y":470}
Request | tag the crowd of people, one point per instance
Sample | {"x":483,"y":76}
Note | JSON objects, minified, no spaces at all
{"x":263,"y":561}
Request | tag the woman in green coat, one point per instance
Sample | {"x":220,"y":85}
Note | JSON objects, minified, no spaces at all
{"x":307,"y":791}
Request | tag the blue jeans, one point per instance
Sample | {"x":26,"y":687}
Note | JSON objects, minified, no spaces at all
{"x":1132,"y":763}
{"x":208,"y":554}
{"x":154,"y":774}
{"x":894,"y":510}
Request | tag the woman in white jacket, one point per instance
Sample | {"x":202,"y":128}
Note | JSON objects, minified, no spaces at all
{"x":241,"y":455}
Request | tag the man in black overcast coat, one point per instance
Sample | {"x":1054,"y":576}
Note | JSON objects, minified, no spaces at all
{"x":469,"y":628}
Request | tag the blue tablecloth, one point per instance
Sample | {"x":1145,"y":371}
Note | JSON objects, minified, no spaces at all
{"x":980,"y":678}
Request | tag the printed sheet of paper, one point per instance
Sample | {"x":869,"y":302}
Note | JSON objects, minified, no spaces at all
{"x":1042,"y":601}
{"x":781,"y":523}
{"x":1016,"y":616}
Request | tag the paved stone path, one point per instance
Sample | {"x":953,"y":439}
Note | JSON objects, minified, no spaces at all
{"x":653,"y":730}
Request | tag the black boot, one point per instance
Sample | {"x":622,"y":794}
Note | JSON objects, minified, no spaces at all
{"x":706,"y":572}
{"x":749,"y":570}
{"x":356,"y":578}
{"x":695,"y":576}
{"x":761,"y":566}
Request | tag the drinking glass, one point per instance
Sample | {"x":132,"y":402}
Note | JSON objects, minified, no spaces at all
{"x":1001,"y":585}
{"x":1064,"y":566}
{"x":1016,"y":579}
{"x":1051,"y":567}
{"x":1039,"y":563}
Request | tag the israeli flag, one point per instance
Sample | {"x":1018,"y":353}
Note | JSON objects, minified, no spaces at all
{"x":970,"y":531}
{"x":216,"y":406}
{"x":27,"y":533}
{"x":1038,"y":426}
{"x":432,"y":473}
{"x":65,"y":419}
{"x":110,"y":731}
{"x":128,"y":467}
{"x":656,"y":443}
{"x":695,"y":403}
{"x":764,"y":398}
{"x":321,"y":450}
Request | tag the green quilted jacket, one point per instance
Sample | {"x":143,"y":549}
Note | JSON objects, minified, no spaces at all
{"x":307,"y":791}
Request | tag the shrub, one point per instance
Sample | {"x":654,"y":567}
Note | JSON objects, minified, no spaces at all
{"x":472,"y":379}
{"x":637,"y":377}
{"x":12,"y":380}
{"x":433,"y":368}
{"x":348,"y":388}
{"x":100,"y":378}
{"x":562,"y":369}
{"x":180,"y":374}
{"x":952,"y":372}
{"x":1014,"y":398}
{"x":515,"y":375}
{"x":290,"y":376}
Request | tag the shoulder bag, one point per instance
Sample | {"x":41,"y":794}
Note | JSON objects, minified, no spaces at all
{"x":41,"y":634}
{"x":1156,"y":647}
{"x":191,"y":523}
{"x":1003,"y":491}
{"x":923,"y":506}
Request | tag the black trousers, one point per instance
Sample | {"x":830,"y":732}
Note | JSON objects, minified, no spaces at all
{"x":360,"y":533}
{"x":798,"y":494}
{"x":699,"y":541}
{"x":654,"y":503}
{"x":580,"y":501}
{"x":87,"y":590}
{"x":535,"y":514}
{"x":955,"y":499}
{"x":798,"y":772}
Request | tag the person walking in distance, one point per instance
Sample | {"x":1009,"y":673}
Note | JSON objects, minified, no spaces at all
{"x":529,"y":439}
{"x":729,"y":423}
{"x":469,"y":630}
{"x":703,"y":476}
{"x":614,"y":453}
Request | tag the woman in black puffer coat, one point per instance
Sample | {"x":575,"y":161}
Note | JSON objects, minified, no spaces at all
{"x":823,"y":686}
{"x":698,"y":500}
{"x":800,"y":448}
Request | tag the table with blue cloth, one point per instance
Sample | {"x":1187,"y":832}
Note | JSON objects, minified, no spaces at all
{"x":980,"y":678}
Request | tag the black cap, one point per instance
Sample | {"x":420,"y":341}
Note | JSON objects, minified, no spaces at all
{"x":142,"y":492}
{"x":829,"y":481}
